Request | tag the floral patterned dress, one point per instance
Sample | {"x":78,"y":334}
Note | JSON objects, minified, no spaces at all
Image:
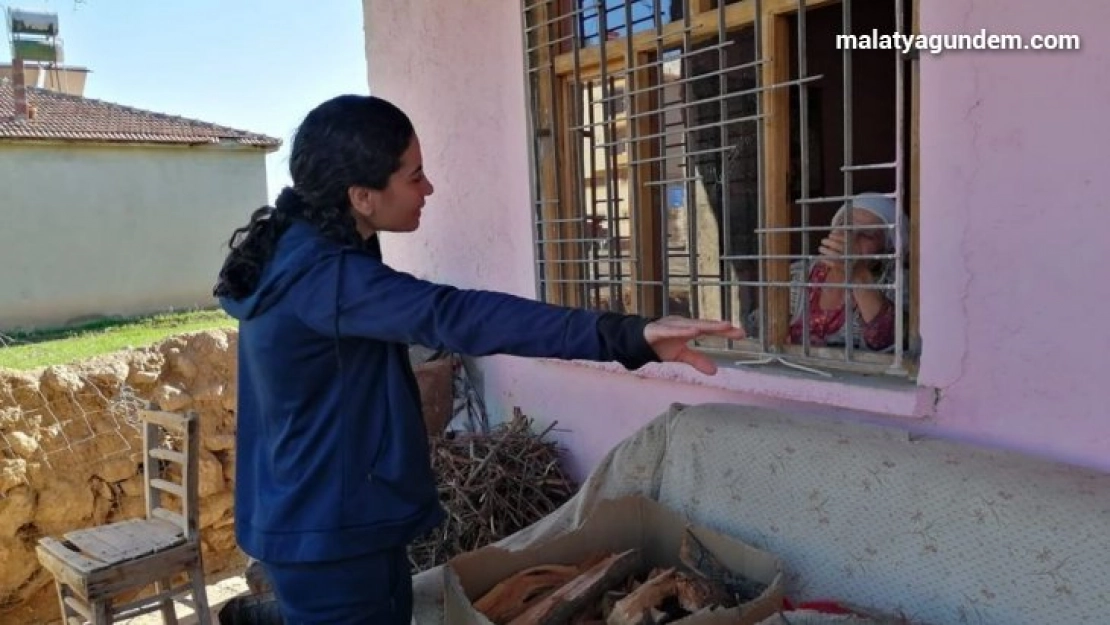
{"x":826,"y":326}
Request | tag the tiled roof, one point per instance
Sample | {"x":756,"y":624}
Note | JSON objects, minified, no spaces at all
{"x":58,"y":116}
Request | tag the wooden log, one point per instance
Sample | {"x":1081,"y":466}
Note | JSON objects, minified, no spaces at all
{"x":695,"y":593}
{"x":700,"y":560}
{"x":561,"y":606}
{"x":638,"y":607}
{"x":702,"y":563}
{"x":512,"y":596}
{"x":662,"y":593}
{"x":609,"y":601}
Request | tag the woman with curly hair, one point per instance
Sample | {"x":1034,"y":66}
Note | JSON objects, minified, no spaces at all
{"x":333,"y":478}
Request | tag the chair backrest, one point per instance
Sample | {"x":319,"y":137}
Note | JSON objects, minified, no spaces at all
{"x":171,"y":446}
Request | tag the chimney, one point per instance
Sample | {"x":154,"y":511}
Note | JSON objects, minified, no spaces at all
{"x":19,"y":88}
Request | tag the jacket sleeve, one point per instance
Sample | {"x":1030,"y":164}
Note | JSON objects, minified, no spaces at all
{"x":354,"y":295}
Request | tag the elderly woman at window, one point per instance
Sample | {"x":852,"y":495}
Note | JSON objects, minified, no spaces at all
{"x":873,"y":309}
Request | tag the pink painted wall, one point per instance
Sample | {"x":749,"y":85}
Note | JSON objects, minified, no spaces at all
{"x":1014,"y":215}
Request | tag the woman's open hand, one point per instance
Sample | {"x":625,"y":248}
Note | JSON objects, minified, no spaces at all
{"x":669,"y":337}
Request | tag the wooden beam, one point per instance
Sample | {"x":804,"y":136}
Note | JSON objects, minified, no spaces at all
{"x":914,"y":329}
{"x":513,"y":596}
{"x":569,"y":150}
{"x":788,"y":7}
{"x":703,"y":26}
{"x":647,"y":213}
{"x":637,"y":608}
{"x":776,"y":125}
{"x":559,"y":606}
{"x":546,"y":141}
{"x":567,"y":24}
{"x":701,"y":6}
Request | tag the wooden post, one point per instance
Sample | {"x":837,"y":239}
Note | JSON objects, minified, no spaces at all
{"x":647,"y":213}
{"x":913,"y":331}
{"x":776,"y":110}
{"x":546,"y":141}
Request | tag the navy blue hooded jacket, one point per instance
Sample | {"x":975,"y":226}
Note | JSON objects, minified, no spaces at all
{"x":332,"y":456}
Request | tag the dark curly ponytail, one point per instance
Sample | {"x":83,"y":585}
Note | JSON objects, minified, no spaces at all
{"x":348,"y":141}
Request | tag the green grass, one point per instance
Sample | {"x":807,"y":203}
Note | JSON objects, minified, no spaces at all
{"x":28,"y":350}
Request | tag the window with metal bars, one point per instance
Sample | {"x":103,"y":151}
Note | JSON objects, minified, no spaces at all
{"x":692,"y":158}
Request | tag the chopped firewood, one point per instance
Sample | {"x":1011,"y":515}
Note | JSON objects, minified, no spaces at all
{"x":593,"y":561}
{"x":701,"y":562}
{"x":698,"y":559}
{"x":668,"y":594}
{"x":513,"y":596}
{"x":637,"y":607}
{"x":696,"y":593}
{"x":619,"y":589}
{"x":609,"y":601}
{"x":561,"y":605}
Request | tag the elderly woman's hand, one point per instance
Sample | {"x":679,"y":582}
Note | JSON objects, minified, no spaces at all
{"x":670,"y":337}
{"x":833,"y":247}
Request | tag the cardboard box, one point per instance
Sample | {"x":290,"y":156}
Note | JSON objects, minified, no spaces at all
{"x":616,"y":526}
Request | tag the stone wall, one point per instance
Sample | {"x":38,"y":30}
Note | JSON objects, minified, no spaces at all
{"x":70,"y":450}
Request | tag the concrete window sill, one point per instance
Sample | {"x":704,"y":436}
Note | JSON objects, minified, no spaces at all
{"x":883,"y":395}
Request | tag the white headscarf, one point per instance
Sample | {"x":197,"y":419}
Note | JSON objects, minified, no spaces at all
{"x":885,"y":209}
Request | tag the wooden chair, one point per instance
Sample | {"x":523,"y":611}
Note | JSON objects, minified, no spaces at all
{"x":93,"y":566}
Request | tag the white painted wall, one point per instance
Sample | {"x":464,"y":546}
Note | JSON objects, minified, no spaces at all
{"x":87,"y":231}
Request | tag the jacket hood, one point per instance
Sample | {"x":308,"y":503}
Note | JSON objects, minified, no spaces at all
{"x":298,"y":250}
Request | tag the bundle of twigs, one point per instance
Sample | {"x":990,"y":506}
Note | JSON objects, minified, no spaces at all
{"x":491,"y":485}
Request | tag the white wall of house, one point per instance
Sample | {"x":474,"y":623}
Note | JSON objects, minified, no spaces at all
{"x":87,"y":231}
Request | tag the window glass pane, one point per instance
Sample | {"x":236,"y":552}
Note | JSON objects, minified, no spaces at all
{"x":617,"y":14}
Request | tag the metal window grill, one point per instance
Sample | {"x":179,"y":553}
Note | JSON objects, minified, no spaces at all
{"x":685,"y":162}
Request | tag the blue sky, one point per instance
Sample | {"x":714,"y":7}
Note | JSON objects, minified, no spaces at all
{"x":258,"y":65}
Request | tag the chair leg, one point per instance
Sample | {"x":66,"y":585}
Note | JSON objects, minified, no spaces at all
{"x":200,"y":594}
{"x":67,"y":612}
{"x":169,"y":616}
{"x":101,"y":613}
{"x":76,"y":610}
